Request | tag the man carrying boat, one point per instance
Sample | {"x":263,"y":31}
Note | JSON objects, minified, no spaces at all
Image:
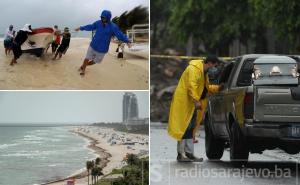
{"x":21,"y":37}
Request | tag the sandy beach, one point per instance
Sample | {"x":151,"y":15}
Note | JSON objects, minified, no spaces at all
{"x":43,"y":73}
{"x":111,"y":146}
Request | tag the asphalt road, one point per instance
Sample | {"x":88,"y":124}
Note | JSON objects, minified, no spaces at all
{"x":271,"y":167}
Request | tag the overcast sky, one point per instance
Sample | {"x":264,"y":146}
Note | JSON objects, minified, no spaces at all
{"x":66,"y":106}
{"x":71,"y":13}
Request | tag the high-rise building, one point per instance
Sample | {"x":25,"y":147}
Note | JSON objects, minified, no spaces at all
{"x":130,"y":107}
{"x":131,"y":114}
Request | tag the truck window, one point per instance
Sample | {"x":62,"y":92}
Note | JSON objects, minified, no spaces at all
{"x":214,"y":74}
{"x":245,"y":76}
{"x":224,"y":76}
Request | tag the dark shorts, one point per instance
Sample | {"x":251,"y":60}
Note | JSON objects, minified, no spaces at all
{"x":8,"y":43}
{"x":120,"y":55}
{"x":63,"y":48}
{"x":54,"y":45}
{"x":16,"y":50}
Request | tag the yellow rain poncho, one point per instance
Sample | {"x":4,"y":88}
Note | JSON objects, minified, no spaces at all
{"x":189,"y":88}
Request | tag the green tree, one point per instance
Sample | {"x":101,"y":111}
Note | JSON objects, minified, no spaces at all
{"x":160,"y":12}
{"x":97,"y":161}
{"x":283,"y":16}
{"x":89,"y":166}
{"x":215,"y":23}
{"x":98,"y":172}
{"x":138,"y":15}
{"x":94,"y":175}
{"x":132,"y":159}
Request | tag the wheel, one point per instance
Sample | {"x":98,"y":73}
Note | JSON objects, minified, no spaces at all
{"x":39,"y":53}
{"x":239,"y":151}
{"x":214,"y":147}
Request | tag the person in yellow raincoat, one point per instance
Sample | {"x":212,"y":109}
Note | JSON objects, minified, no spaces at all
{"x":188,"y":105}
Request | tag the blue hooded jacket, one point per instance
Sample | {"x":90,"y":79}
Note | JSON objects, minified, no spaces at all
{"x":102,"y":37}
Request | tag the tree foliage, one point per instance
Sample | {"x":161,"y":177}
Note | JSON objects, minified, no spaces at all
{"x":218,"y":23}
{"x":283,"y":16}
{"x":138,"y":15}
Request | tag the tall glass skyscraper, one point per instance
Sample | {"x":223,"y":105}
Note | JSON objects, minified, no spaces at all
{"x":130,"y":107}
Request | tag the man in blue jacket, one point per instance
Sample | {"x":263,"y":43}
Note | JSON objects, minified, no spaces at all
{"x":99,"y":46}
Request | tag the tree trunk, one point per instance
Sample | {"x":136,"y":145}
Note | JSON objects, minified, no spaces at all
{"x":189,"y":46}
{"x":154,"y":35}
{"x":88,"y":177}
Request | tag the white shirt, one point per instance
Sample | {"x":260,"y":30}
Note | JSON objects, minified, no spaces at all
{"x":8,"y":34}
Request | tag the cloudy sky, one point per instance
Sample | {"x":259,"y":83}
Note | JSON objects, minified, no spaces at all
{"x":66,"y":106}
{"x":71,"y":13}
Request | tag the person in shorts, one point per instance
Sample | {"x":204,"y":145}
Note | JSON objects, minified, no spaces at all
{"x":8,"y":39}
{"x":62,"y":49}
{"x":104,"y":31}
{"x":56,"y":42}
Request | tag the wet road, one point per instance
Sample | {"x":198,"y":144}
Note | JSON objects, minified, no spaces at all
{"x":271,"y":167}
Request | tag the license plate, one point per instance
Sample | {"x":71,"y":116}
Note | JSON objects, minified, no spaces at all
{"x":294,"y":131}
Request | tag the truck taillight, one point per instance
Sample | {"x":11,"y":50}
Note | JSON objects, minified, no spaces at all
{"x":248,"y":106}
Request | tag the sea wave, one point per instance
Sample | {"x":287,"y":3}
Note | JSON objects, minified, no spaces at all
{"x":53,"y":165}
{"x":32,"y":138}
{"x":4,"y":146}
{"x":30,"y":154}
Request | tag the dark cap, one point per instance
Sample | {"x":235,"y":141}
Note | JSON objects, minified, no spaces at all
{"x":213,"y":59}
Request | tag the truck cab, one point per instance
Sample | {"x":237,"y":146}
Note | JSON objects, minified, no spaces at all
{"x":258,"y":109}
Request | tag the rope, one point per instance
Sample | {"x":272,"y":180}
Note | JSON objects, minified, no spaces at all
{"x":185,"y":57}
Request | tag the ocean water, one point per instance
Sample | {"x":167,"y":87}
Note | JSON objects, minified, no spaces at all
{"x":32,"y":155}
{"x":79,"y":34}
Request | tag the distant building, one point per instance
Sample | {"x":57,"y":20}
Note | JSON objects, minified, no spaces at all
{"x":131,"y":113}
{"x":130,"y":107}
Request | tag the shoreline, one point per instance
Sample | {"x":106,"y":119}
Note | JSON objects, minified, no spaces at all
{"x":100,"y":152}
{"x":111,"y":146}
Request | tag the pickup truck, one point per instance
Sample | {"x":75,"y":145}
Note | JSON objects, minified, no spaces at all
{"x":258,"y":108}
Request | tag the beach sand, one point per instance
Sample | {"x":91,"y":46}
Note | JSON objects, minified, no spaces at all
{"x":43,"y":73}
{"x":113,"y":155}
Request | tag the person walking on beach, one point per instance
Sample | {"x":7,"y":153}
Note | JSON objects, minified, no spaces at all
{"x":99,"y":46}
{"x":120,"y":50}
{"x":57,"y":38}
{"x":188,"y":106}
{"x":62,"y":49}
{"x":8,"y":39}
{"x":21,"y":37}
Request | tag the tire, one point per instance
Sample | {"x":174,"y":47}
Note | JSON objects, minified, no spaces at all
{"x":214,"y":147}
{"x":39,"y":53}
{"x":239,"y":151}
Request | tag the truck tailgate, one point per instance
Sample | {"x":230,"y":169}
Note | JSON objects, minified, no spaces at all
{"x":277,"y":104}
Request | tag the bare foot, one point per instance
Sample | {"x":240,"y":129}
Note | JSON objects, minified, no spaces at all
{"x":82,"y":73}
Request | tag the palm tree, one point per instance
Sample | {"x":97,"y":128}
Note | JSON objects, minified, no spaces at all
{"x":131,"y":159}
{"x":97,"y":161}
{"x":94,"y":174}
{"x":99,"y":172}
{"x":138,"y":15}
{"x":89,"y":166}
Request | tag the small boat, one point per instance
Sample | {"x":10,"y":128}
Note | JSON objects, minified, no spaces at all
{"x":38,"y":41}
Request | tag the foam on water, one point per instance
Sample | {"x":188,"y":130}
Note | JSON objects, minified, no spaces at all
{"x":4,"y":146}
{"x":29,"y":155}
